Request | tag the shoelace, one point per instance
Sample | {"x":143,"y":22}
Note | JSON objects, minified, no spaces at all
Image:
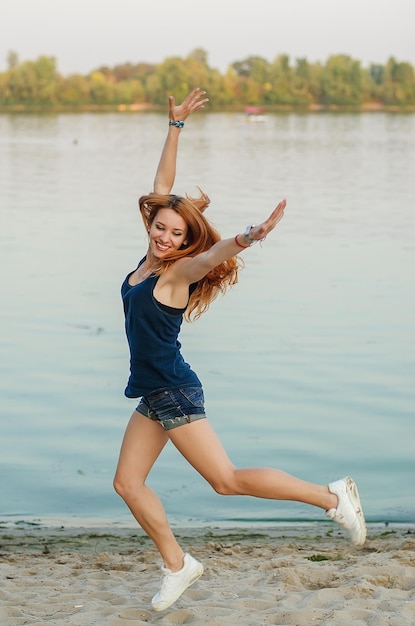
{"x":167,"y":581}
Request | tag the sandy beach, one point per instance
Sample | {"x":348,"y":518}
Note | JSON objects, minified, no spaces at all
{"x":300,"y":576}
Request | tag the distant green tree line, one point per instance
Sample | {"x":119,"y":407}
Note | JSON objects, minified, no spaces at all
{"x":340,"y":81}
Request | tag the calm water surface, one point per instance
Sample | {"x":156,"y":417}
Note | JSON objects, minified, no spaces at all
{"x":308,"y":363}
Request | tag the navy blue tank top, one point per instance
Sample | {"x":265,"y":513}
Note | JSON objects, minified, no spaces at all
{"x":152,"y":332}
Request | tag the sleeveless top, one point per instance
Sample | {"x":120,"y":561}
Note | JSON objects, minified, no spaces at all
{"x":152,"y":330}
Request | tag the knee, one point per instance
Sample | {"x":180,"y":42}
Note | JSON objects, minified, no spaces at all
{"x":118,"y":485}
{"x":123,"y":487}
{"x":226,"y":484}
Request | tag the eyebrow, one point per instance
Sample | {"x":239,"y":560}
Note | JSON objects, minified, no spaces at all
{"x":181,"y":230}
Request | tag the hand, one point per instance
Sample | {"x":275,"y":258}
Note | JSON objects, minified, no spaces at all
{"x":192,"y":103}
{"x":261,"y":231}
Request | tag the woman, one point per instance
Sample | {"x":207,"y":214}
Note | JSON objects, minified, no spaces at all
{"x":185,"y":267}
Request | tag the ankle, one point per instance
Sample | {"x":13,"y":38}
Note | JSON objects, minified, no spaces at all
{"x":331,"y":501}
{"x":176,"y":563}
{"x":334,"y":501}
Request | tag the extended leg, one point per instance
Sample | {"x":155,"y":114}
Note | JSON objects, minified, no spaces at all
{"x":200,"y":445}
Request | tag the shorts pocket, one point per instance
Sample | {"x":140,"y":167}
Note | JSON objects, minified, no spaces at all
{"x":194,"y":395}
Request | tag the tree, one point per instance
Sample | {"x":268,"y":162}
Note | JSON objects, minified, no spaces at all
{"x":4,"y":88}
{"x":374,"y":83}
{"x":399,"y":83}
{"x":281,"y":80}
{"x":33,"y":82}
{"x":342,"y":81}
{"x":200,"y":56}
{"x":101,"y":90}
{"x":46,"y":78}
{"x":173,"y":78}
{"x":252,"y":67}
{"x":130,"y":92}
{"x":250,"y":81}
{"x":74,"y":90}
{"x":301,"y":82}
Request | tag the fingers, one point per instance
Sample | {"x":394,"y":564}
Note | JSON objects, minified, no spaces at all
{"x":278,"y":212}
{"x":193,"y":102}
{"x":261,"y":231}
{"x":196,"y":93}
{"x":280,"y":206}
{"x":171,"y":107}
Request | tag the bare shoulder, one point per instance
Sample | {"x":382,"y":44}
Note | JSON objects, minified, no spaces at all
{"x":178,"y":272}
{"x":190,"y":269}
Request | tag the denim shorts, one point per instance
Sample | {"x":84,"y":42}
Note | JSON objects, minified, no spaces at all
{"x":174,"y":407}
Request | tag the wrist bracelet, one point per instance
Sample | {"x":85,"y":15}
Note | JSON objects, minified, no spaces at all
{"x":248,"y":239}
{"x":178,"y":124}
{"x":239,"y":244}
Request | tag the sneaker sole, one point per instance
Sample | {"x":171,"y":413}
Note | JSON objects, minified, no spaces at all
{"x":196,"y":577}
{"x":351,"y":489}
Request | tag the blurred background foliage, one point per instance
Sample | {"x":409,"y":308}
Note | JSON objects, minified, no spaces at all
{"x":339,"y":82}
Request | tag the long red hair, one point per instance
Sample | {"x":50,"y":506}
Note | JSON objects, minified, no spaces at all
{"x":201,"y":236}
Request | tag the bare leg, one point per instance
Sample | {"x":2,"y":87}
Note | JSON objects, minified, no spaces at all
{"x":200,"y":445}
{"x":143,"y":441}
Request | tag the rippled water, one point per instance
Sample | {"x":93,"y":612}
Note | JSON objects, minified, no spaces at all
{"x":308,"y":363}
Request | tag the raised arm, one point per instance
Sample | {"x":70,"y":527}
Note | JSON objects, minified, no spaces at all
{"x":166,"y":170}
{"x":193,"y":269}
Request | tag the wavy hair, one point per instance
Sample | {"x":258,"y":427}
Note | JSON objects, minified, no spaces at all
{"x":201,"y":236}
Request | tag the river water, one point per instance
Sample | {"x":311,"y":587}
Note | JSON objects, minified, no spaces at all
{"x":308,"y":364}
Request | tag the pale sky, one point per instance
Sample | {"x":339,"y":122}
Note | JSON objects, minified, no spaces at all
{"x":84,"y":34}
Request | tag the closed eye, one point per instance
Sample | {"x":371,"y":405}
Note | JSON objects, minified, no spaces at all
{"x":174,"y":233}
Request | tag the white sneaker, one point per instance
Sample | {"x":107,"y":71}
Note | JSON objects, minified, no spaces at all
{"x":349,"y":513}
{"x":174,"y":583}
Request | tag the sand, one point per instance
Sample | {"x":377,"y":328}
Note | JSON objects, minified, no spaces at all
{"x":299,"y":576}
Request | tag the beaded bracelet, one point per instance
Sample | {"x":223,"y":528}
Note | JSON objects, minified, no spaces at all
{"x":178,"y":124}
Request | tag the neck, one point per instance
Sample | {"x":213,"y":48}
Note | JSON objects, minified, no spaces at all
{"x":151,"y":262}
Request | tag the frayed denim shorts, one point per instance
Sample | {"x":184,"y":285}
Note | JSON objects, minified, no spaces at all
{"x":174,"y":407}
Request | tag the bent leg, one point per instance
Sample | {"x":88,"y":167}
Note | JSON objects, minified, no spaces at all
{"x":143,"y":442}
{"x":202,"y":448}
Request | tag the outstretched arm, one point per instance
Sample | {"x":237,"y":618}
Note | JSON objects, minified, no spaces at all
{"x":193,"y":269}
{"x":166,"y":170}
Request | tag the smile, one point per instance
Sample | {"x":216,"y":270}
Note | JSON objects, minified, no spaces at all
{"x":161,"y":246}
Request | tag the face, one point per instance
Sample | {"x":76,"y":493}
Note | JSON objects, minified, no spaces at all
{"x":167,"y":233}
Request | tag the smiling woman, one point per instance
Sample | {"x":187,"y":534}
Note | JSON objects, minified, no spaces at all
{"x":186,"y":265}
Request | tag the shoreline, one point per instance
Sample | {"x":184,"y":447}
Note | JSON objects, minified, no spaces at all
{"x":21,"y":538}
{"x":288,"y":574}
{"x":20,"y":533}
